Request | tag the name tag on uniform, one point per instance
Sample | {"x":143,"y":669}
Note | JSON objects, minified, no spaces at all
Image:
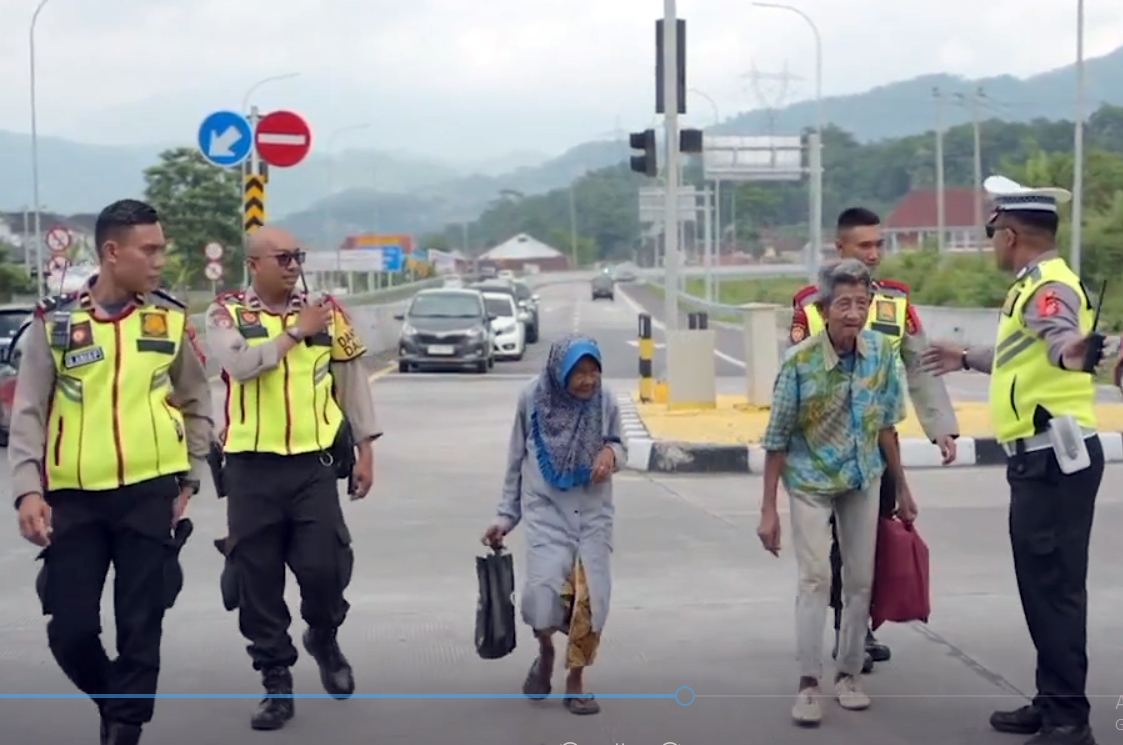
{"x":83,"y":357}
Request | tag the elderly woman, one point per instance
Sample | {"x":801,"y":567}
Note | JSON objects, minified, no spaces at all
{"x":830,"y":438}
{"x":565,"y":446}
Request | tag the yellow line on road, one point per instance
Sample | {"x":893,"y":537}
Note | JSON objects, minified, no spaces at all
{"x":383,"y":372}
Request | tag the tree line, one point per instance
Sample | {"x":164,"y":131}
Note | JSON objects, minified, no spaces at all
{"x":877,"y":175}
{"x":201,"y":203}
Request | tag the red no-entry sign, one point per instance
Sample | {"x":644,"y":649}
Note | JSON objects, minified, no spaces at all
{"x":283,"y":139}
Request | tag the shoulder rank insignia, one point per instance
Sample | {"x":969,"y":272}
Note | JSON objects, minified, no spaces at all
{"x":805,"y":296}
{"x":165,"y":295}
{"x":235,"y":296}
{"x":892,"y":287}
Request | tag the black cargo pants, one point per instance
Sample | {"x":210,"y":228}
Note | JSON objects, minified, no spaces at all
{"x":1051,"y":516}
{"x":130,"y":528}
{"x":888,"y":499}
{"x":284,"y":510}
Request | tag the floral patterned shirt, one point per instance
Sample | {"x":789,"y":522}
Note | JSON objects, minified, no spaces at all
{"x":827,"y":411}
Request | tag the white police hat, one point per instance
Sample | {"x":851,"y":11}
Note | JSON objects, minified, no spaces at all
{"x":1009,"y":196}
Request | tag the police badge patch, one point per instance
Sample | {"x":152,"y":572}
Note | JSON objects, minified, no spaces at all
{"x":886,"y":311}
{"x":248,"y":318}
{"x":81,"y":335}
{"x":154,"y":325}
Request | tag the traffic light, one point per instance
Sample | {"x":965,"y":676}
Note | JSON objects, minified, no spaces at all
{"x":646,"y":163}
{"x":690,"y":141}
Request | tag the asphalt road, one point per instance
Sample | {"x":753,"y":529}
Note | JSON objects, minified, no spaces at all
{"x":695,"y":603}
{"x":564,"y":309}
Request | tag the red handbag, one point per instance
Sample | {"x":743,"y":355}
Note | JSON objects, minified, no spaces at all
{"x":900,"y":583}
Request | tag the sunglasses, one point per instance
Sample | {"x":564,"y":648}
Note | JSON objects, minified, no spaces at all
{"x":285,"y":258}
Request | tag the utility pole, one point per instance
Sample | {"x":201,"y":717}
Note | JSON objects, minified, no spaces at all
{"x":973,"y":102}
{"x":671,"y":168}
{"x":573,"y":225}
{"x":941,"y":206}
{"x":1078,"y":145}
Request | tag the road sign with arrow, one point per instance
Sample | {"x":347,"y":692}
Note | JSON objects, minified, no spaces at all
{"x":225,"y":138}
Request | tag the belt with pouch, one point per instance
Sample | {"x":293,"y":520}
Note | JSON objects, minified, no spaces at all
{"x":1038,"y":442}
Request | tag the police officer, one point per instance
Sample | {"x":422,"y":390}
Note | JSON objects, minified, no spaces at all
{"x":294,"y":375}
{"x":1042,"y":385}
{"x":110,"y":425}
{"x":859,"y":237}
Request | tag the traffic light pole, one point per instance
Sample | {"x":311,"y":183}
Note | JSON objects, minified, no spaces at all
{"x":671,"y":164}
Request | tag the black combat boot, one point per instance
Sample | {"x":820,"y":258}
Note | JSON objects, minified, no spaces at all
{"x":119,"y":733}
{"x":335,"y":671}
{"x":277,"y":706}
{"x":1023,"y":721}
{"x":875,"y":649}
{"x":1079,"y":734}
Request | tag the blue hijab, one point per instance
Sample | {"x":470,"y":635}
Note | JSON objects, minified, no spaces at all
{"x":568,"y":431}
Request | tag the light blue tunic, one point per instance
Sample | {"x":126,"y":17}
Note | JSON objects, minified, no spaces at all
{"x":561,"y":526}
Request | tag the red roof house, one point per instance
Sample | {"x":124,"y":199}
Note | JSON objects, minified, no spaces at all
{"x":916,"y":219}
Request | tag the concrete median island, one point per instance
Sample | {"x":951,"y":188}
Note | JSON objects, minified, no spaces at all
{"x":726,"y":439}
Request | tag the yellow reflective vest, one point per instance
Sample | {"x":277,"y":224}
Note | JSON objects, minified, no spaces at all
{"x":888,"y":315}
{"x":110,"y":423}
{"x":289,"y":410}
{"x":1022,"y":377}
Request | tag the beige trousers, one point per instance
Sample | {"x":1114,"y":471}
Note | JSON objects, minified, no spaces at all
{"x":856,"y":513}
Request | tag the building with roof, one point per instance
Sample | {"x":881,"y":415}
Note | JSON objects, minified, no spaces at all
{"x":525,"y":253}
{"x":916,"y":220}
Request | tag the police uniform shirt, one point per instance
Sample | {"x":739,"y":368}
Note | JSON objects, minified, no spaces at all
{"x":36,"y":384}
{"x":244,"y":362}
{"x":1053,"y":312}
{"x":927,"y":392}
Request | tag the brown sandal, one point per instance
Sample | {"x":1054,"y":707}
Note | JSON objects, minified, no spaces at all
{"x":533,"y":687}
{"x":582,"y":706}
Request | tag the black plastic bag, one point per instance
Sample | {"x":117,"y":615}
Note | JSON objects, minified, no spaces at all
{"x":495,"y":610}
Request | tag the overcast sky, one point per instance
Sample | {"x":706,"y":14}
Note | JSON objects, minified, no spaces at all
{"x":463,"y":79}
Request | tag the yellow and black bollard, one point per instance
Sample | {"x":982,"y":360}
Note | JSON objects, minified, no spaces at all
{"x":646,"y":360}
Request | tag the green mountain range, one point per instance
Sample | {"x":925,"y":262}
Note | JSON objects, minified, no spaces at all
{"x":325,"y":199}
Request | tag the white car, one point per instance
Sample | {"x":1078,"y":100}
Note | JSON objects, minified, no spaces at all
{"x":506,"y":274}
{"x":508,"y":325}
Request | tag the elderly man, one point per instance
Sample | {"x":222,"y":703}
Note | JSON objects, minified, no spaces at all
{"x":835,"y":405}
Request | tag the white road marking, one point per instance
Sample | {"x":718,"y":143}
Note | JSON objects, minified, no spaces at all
{"x":656,"y":323}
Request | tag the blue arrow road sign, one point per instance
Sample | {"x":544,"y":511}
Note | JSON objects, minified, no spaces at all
{"x":225,"y":138}
{"x":392,"y":259}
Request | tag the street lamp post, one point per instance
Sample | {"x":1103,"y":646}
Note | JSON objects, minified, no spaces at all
{"x":254,"y":163}
{"x":40,"y":280}
{"x":329,"y":227}
{"x":817,"y":161}
{"x":1078,"y":144}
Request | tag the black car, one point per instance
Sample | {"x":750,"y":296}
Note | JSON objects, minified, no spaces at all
{"x":526,"y":301}
{"x":445,"y":329}
{"x":603,"y":286}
